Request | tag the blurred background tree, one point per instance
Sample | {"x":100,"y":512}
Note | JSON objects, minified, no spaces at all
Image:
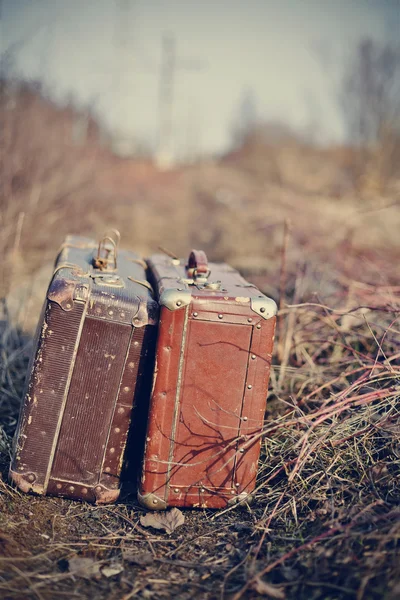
{"x":370,"y":100}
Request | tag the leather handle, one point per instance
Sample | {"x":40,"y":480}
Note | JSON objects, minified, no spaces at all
{"x":197,"y":263}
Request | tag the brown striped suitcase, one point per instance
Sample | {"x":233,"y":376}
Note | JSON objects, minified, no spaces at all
{"x":210,"y":384}
{"x":91,"y":360}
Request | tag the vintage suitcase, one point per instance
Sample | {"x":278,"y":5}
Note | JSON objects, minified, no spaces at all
{"x":91,"y":358}
{"x":208,"y":402}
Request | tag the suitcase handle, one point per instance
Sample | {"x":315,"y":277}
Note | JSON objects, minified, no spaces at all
{"x":197,"y":264}
{"x":105,"y":254}
{"x":114,"y":234}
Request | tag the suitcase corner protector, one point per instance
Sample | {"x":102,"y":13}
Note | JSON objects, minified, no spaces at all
{"x":264,"y":306}
{"x":105,"y":495}
{"x":22,"y":482}
{"x":241,"y":499}
{"x":174,"y":299}
{"x":64,"y":291}
{"x":151,"y":501}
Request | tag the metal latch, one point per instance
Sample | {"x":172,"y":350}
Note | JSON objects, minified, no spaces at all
{"x":213,"y":285}
{"x":108,"y":280}
{"x":81,"y":292}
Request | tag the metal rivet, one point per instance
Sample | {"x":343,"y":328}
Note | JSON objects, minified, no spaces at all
{"x":31,"y":478}
{"x":131,"y":365}
{"x":59,"y":486}
{"x":107,"y":469}
{"x":84,"y":490}
{"x":71,"y":488}
{"x":245,"y":418}
{"x":237,"y":484}
{"x":154,"y":501}
{"x":180,"y":289}
{"x":176,"y":491}
{"x":258,"y":326}
{"x":98,"y":488}
{"x":249,"y":319}
{"x":232,"y":491}
{"x":179,"y":303}
{"x":202,"y":490}
{"x":262,"y":309}
{"x":253,"y":357}
{"x":120,"y":410}
{"x":249,"y":387}
{"x":110,"y":312}
{"x":136,"y":343}
{"x":117,"y":430}
{"x":122,"y":315}
{"x":241,"y":450}
{"x":68,"y":305}
{"x":98,"y":309}
{"x":195,"y":314}
{"x":220,"y":316}
{"x":126,"y":388}
{"x":112,"y":450}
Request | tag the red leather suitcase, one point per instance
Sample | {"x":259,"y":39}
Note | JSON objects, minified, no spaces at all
{"x":90,"y":362}
{"x":210,"y":384}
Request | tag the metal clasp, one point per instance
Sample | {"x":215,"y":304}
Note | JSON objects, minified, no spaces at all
{"x":200,"y":278}
{"x":108,"y":280}
{"x":213,"y":285}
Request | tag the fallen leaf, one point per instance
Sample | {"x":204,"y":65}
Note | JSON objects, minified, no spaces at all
{"x":112,"y":569}
{"x":268,"y":589}
{"x":84,"y":567}
{"x":143,"y":559}
{"x":379,"y":472}
{"x":168,"y":520}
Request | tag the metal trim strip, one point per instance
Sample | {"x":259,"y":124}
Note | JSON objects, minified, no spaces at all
{"x":242,"y":406}
{"x":116,"y":401}
{"x":65,"y":397}
{"x":177,"y":399}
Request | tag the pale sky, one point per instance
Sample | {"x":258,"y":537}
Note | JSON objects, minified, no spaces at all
{"x":290,"y":53}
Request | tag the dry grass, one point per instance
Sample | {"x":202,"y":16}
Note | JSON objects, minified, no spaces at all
{"x":325,"y":521}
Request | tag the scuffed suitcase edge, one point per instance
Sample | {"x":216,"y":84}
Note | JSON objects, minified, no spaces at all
{"x":102,"y":495}
{"x":98,"y":493}
{"x":153,"y":502}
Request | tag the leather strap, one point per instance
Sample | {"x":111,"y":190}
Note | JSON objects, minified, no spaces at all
{"x":197,"y":262}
